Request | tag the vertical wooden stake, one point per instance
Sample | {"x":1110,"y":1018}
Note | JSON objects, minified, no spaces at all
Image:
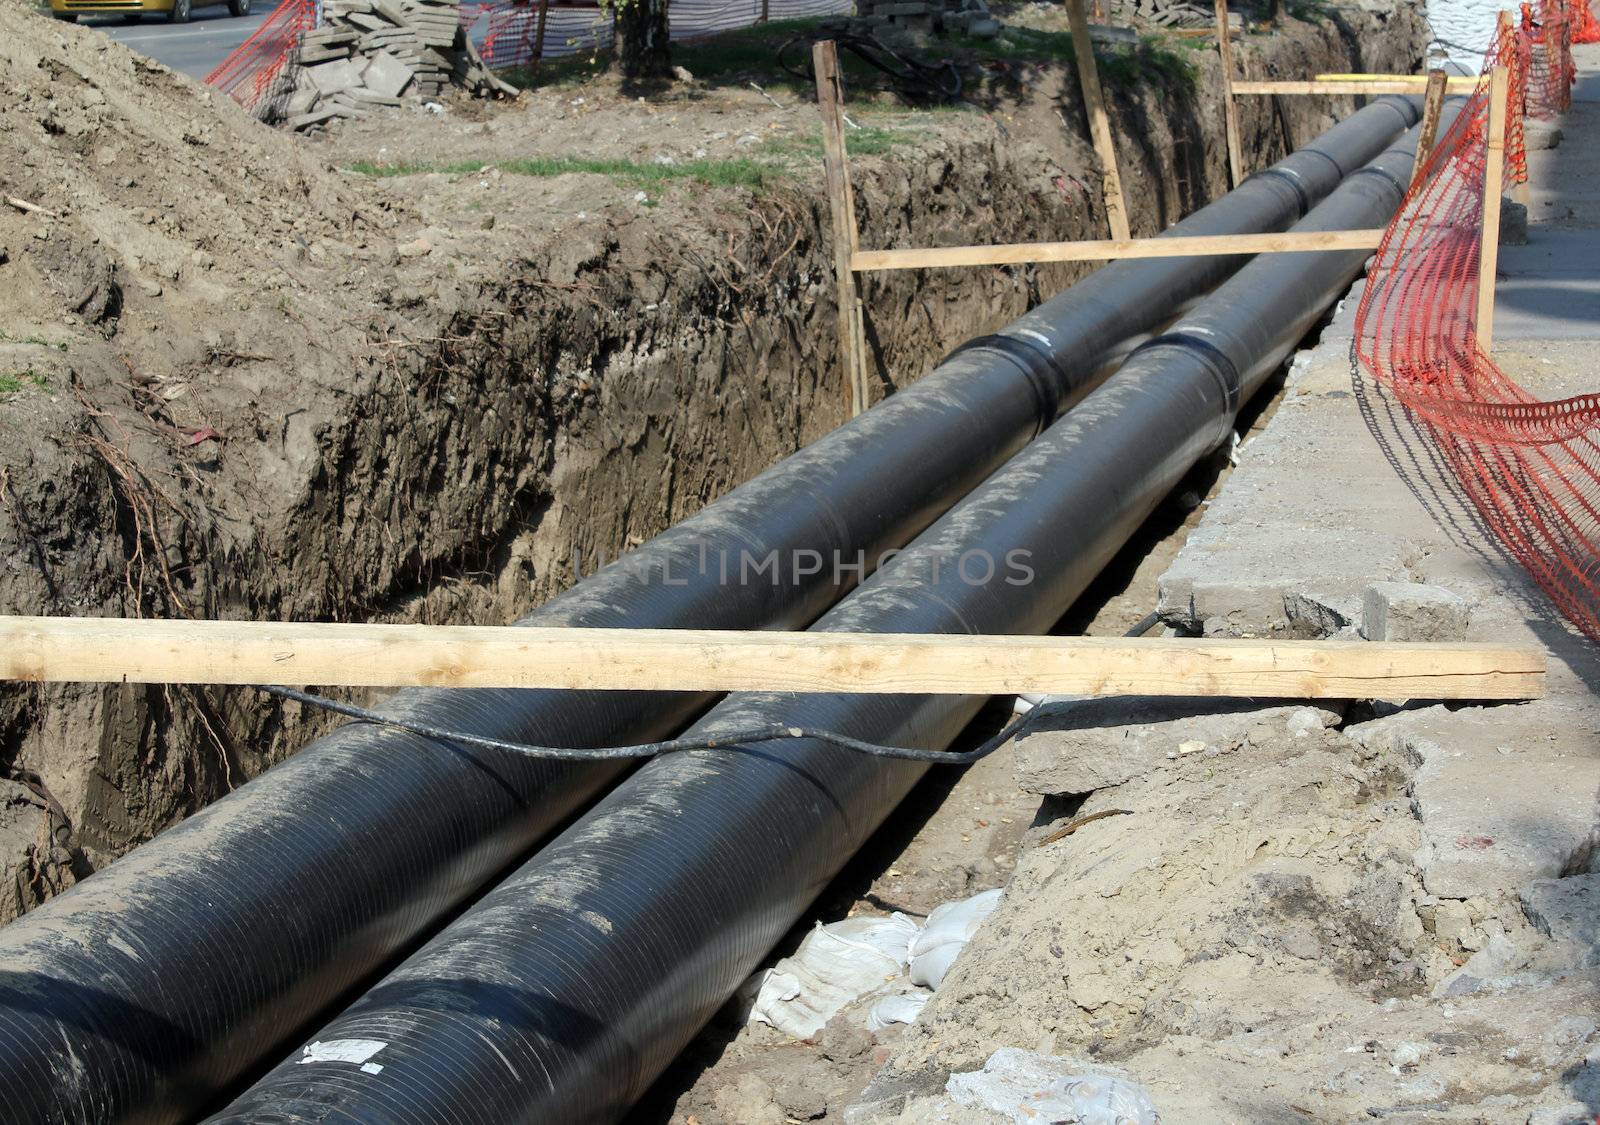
{"x":538,"y":42}
{"x":766,"y":10}
{"x":1489,"y":235}
{"x":842,"y":209}
{"x":1432,"y":107}
{"x":1099,"y":126}
{"x":1230,"y":109}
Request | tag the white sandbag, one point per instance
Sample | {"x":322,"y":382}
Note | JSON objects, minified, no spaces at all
{"x":946,"y":934}
{"x":1028,"y":1088}
{"x":902,"y":1007}
{"x":834,"y":965}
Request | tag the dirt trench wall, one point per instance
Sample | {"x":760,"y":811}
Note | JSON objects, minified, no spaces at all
{"x":452,"y":439}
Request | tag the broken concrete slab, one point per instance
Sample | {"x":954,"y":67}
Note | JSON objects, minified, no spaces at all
{"x":1091,"y":744}
{"x":1565,"y":909}
{"x":1412,"y":611}
{"x":1505,"y":795}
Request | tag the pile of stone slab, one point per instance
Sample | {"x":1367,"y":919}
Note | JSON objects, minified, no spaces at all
{"x":380,"y":54}
{"x":964,"y":17}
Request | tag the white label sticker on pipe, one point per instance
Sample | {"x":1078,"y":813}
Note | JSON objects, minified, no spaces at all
{"x":345,"y":1050}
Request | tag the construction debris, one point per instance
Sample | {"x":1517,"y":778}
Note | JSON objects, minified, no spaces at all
{"x":382,"y":54}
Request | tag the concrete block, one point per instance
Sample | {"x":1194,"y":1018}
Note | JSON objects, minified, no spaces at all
{"x":1451,"y":922}
{"x":1092,"y":744}
{"x":309,"y":120}
{"x":386,"y":75}
{"x":331,"y":77}
{"x":1411,"y":611}
{"x":370,"y":97}
{"x":1513,"y":223}
{"x":1497,"y":958}
{"x":315,"y":56}
{"x":984,"y":29}
{"x":1565,"y":909}
{"x":1538,"y":135}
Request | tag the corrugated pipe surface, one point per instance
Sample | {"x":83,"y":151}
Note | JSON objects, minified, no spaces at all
{"x":562,"y":994}
{"x":146,"y":989}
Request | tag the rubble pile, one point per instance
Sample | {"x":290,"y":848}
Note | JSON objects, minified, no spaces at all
{"x":373,"y":54}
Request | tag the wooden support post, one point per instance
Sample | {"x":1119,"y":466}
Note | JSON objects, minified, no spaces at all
{"x":1489,"y":236}
{"x":766,"y":11}
{"x":122,"y":650}
{"x":842,"y":209}
{"x":1230,"y":111}
{"x":538,"y":35}
{"x":1432,"y":107}
{"x":1172,"y":246}
{"x":1099,"y":126}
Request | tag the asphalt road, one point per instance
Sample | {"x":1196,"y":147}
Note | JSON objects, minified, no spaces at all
{"x":195,"y":47}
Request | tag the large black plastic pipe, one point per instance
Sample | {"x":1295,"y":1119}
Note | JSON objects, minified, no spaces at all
{"x":563,"y":993}
{"x":146,"y":989}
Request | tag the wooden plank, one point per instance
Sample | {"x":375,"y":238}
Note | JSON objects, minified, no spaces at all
{"x":1432,"y":108}
{"x":1230,"y":110}
{"x":1489,"y":234}
{"x":1105,"y":249}
{"x":842,"y":209}
{"x":121,"y":650}
{"x":1094,"y":102}
{"x":1386,"y":86}
{"x":1460,"y":84}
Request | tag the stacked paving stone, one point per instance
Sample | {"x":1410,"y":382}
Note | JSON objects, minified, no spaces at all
{"x":969,"y":17}
{"x":376,"y":54}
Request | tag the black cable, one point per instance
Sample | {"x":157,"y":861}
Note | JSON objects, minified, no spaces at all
{"x":678,"y":745}
{"x":670,"y":746}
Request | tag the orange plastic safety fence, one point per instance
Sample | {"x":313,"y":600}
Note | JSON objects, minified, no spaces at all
{"x":1530,"y":468}
{"x":1585,"y":28}
{"x":250,"y":73}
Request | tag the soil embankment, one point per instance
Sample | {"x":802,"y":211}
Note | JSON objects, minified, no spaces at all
{"x":430,"y":367}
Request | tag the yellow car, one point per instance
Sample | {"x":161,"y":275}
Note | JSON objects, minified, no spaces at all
{"x":177,"y":11}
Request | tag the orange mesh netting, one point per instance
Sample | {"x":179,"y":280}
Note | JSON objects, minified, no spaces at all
{"x":1585,"y":28}
{"x":1530,"y":468}
{"x":250,"y":74}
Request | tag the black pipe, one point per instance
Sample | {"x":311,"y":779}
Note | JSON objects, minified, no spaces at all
{"x":567,"y":989}
{"x":144,"y":990}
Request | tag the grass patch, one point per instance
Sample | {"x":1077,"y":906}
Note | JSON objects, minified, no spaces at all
{"x":1018,"y":43}
{"x":733,"y":58}
{"x":35,"y":339}
{"x":736,"y":172}
{"x":869,"y":140}
{"x":1152,"y":62}
{"x":21,"y":380}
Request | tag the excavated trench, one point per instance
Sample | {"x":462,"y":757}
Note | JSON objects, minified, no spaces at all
{"x":503,"y":438}
{"x":503,"y":423}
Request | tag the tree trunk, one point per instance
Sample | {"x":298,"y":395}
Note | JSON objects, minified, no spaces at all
{"x":644,"y":49}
